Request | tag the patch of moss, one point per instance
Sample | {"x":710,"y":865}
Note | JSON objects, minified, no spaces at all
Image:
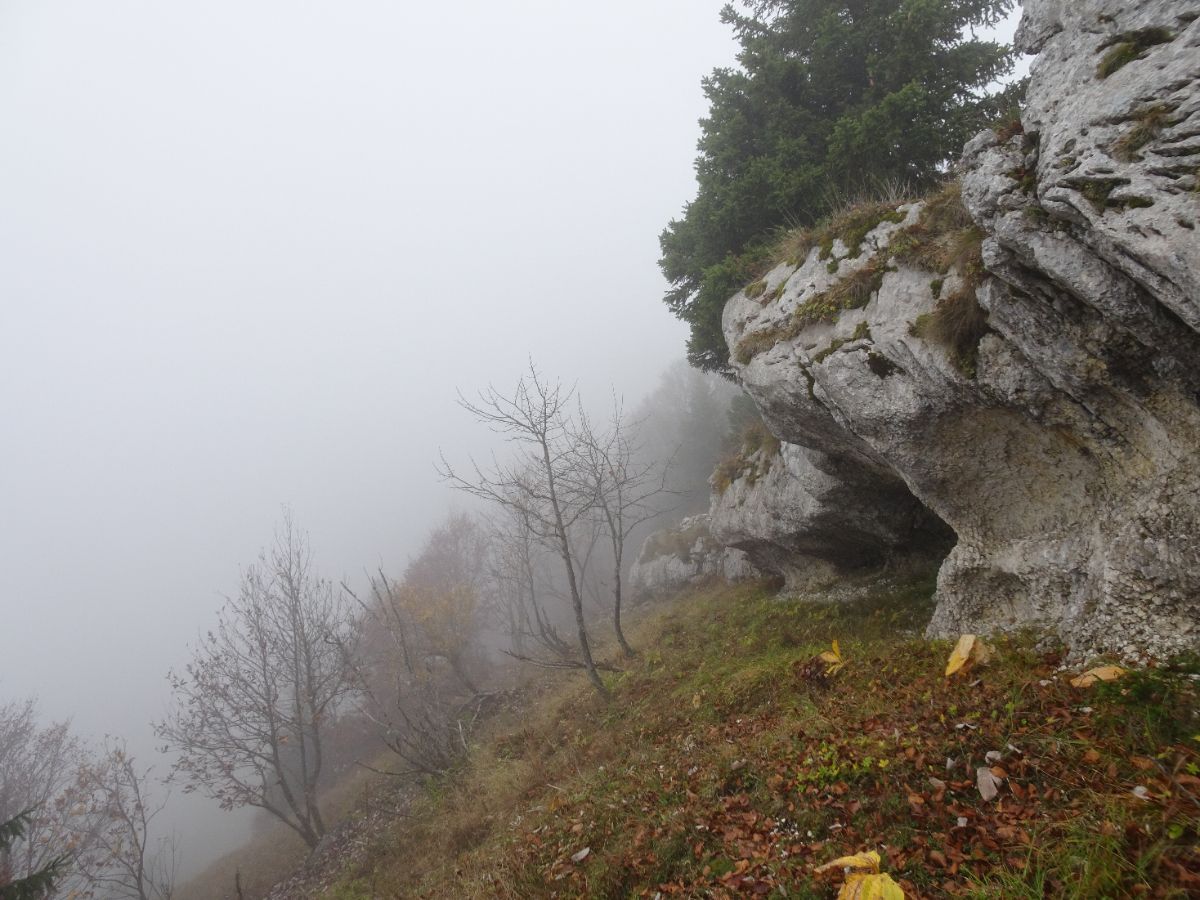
{"x":851,"y":292}
{"x":754,"y":291}
{"x":1134,"y":202}
{"x":935,"y":287}
{"x":821,"y":355}
{"x":861,"y":330}
{"x":918,"y":326}
{"x":1124,"y":48}
{"x":1098,"y":190}
{"x":852,"y":226}
{"x":1026,"y":179}
{"x":812,"y":383}
{"x":1099,"y":193}
{"x":944,"y":237}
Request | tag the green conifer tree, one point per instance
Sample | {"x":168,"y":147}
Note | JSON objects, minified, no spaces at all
{"x":37,"y":884}
{"x":830,"y":100}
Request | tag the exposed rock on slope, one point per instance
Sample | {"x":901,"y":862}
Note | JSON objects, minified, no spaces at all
{"x":684,"y":555}
{"x":798,"y":513}
{"x":1031,"y":377}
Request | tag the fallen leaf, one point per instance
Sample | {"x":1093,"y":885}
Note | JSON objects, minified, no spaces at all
{"x":581,"y":855}
{"x":961,"y":654}
{"x":970,"y":651}
{"x":863,"y":879}
{"x":833,"y":659}
{"x":868,"y":862}
{"x":870,"y":887}
{"x":987,"y":782}
{"x":1100,"y":673}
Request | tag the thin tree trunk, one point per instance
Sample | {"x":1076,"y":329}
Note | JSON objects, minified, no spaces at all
{"x":625,"y":648}
{"x":576,"y":600}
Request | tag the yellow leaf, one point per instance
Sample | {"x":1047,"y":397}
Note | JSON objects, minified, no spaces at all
{"x":870,"y":887}
{"x":868,"y":862}
{"x":969,"y":651}
{"x":833,"y":658}
{"x":1100,"y":673}
{"x":960,"y":654}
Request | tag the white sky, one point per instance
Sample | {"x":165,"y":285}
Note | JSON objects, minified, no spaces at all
{"x":249,"y":249}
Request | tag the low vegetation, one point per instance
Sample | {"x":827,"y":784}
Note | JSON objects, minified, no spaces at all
{"x":735,"y":759}
{"x":1124,"y":48}
{"x":943,"y":240}
{"x":751,"y":459}
{"x":1147,"y":125}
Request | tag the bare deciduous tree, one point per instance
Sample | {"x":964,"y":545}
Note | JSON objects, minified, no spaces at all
{"x":252,"y":704}
{"x":116,"y":852}
{"x":420,"y":712}
{"x":537,"y":483}
{"x":515,"y":565}
{"x":624,"y":488}
{"x":38,"y":764}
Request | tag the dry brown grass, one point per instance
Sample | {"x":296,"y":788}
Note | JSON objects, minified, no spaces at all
{"x":755,"y":451}
{"x":275,"y":852}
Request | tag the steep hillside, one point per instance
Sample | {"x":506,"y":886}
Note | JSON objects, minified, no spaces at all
{"x":728,"y":764}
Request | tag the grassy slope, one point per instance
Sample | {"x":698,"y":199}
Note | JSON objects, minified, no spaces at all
{"x":718,"y":770}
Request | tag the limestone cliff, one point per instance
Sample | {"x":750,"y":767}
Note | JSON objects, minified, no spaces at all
{"x":1017,"y":357}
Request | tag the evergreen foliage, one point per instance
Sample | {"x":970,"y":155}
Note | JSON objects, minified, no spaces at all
{"x":37,"y":884}
{"x":830,"y":100}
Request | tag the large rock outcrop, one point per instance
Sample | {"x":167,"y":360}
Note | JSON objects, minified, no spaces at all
{"x":1031,"y":375}
{"x":798,"y":513}
{"x":685,"y":555}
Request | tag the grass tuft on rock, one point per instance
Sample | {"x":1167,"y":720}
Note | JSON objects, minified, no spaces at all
{"x":752,"y":458}
{"x":1124,"y":48}
{"x":1147,"y":125}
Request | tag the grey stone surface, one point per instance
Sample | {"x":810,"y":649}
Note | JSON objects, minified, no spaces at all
{"x":1068,"y":466}
{"x":685,"y":555}
{"x":799,"y":515}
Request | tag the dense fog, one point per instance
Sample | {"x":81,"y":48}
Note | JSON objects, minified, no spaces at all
{"x":249,"y":254}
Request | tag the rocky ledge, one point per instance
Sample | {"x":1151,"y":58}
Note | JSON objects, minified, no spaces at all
{"x":1016,"y":357}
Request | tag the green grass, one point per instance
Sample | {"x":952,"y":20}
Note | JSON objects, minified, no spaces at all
{"x":943,"y":240}
{"x":1131,"y":45}
{"x":721,"y":767}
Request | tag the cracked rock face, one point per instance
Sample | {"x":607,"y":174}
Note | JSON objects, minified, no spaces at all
{"x":687,"y":554}
{"x":1066,"y":455}
{"x":798,"y":514}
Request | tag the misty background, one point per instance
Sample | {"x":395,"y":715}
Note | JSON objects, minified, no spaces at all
{"x":248,"y":253}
